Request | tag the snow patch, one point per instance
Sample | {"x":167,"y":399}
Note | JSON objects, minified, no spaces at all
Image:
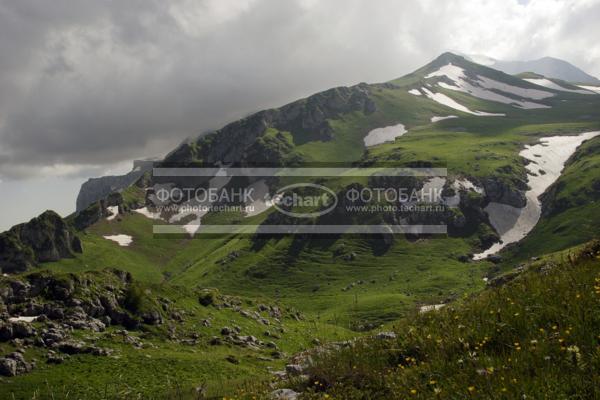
{"x":434,"y":187}
{"x":436,"y":119}
{"x":553,"y":85}
{"x":415,"y":92}
{"x":480,"y":86}
{"x":448,"y":102}
{"x":534,"y":94}
{"x":382,"y":135}
{"x":122,"y":240}
{"x":23,"y":319}
{"x":465,"y":184}
{"x":595,"y":89}
{"x":114,"y":211}
{"x":147,"y":213}
{"x":550,"y":155}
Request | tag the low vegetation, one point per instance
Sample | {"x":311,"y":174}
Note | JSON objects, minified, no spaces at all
{"x":533,"y":337}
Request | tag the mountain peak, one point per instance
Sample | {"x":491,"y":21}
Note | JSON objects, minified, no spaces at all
{"x":448,"y":57}
{"x":550,"y":67}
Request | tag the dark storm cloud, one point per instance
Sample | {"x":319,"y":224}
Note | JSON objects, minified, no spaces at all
{"x":87,"y":83}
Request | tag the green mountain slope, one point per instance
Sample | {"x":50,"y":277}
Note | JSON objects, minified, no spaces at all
{"x":534,"y":337}
{"x":311,"y":276}
{"x":342,"y":285}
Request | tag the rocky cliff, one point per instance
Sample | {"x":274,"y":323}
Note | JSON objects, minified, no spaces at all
{"x":98,"y":188}
{"x":43,"y":239}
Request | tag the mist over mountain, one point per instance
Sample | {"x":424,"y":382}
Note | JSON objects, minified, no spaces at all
{"x":549,"y":67}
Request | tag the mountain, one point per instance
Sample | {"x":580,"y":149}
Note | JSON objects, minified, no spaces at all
{"x":218,"y":313}
{"x":547,"y":66}
{"x":95,"y":189}
{"x":43,"y":239}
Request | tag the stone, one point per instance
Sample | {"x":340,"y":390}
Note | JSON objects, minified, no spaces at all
{"x":8,"y":367}
{"x":22,"y":329}
{"x":73,"y":347}
{"x":232,"y":359}
{"x":52,"y":336}
{"x":385,"y":336}
{"x":88,"y":324}
{"x":6,"y":331}
{"x":215,"y":341}
{"x":284,"y":394}
{"x":494,"y":258}
{"x":294,"y":369}
{"x":56,"y":358}
{"x":152,"y":318}
{"x":14,"y":364}
{"x":226,"y":331}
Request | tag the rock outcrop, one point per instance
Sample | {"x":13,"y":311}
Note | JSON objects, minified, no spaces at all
{"x":43,"y":239}
{"x":14,"y":364}
{"x":62,"y":303}
{"x":90,"y":301}
{"x":97,"y":210}
{"x":499,"y":191}
{"x":96,"y":189}
{"x":305,"y":119}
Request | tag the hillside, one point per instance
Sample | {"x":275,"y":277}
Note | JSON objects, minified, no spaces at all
{"x":106,"y":335}
{"x":518,"y":155}
{"x":532,"y":333}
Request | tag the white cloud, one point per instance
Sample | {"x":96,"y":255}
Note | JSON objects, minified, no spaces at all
{"x":96,"y":83}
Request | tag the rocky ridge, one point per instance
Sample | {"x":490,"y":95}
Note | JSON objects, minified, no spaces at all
{"x":95,"y":189}
{"x":45,"y":238}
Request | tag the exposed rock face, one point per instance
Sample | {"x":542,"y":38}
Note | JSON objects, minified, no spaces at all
{"x":98,"y":210}
{"x":499,"y":191}
{"x":43,"y":239}
{"x":96,"y":189}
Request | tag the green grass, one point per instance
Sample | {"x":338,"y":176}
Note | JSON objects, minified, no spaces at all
{"x":536,"y":337}
{"x":166,"y":367}
{"x":312,"y":279}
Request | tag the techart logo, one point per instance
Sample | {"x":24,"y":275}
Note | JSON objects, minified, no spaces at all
{"x":304,"y":200}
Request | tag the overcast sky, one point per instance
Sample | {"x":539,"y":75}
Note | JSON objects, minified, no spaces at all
{"x":87,"y":86}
